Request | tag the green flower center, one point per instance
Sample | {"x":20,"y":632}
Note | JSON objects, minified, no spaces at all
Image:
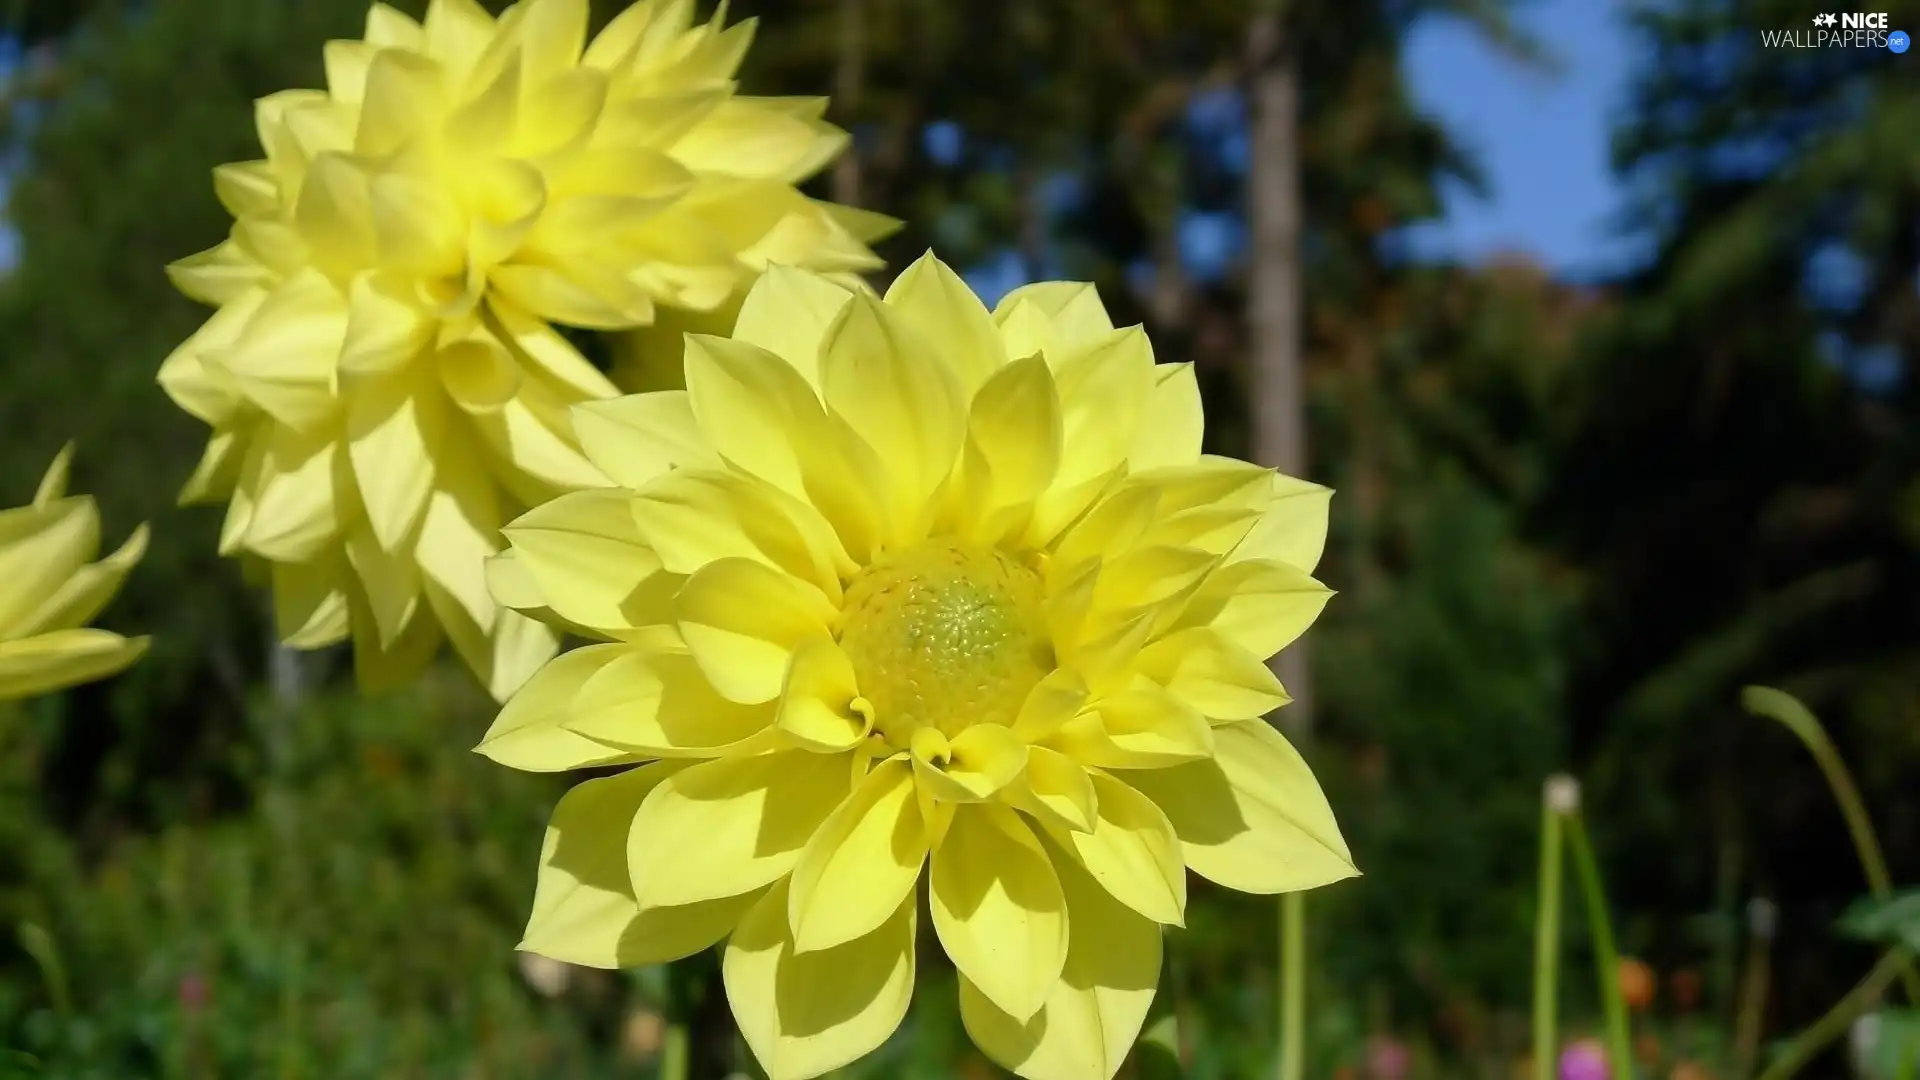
{"x":945,"y":635}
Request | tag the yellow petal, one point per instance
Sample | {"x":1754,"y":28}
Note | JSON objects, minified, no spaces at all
{"x":787,"y":313}
{"x":1142,"y":727}
{"x":1056,"y":699}
{"x":656,"y":703}
{"x":540,"y":346}
{"x":1254,"y":818}
{"x":1055,"y":789}
{"x":403,"y":90}
{"x":728,"y":826}
{"x":478,"y":373}
{"x":939,"y":304}
{"x":976,"y":764}
{"x":520,"y":646}
{"x":753,"y":408}
{"x":1095,"y":1010}
{"x":616,"y":42}
{"x":204,"y":389}
{"x":40,"y":546}
{"x":224,"y":274}
{"x":1260,"y":605}
{"x":532,"y":436}
{"x":418,"y":228}
{"x":820,"y":705}
{"x":389,"y":582}
{"x":63,"y":658}
{"x":246,"y":188}
{"x":1051,"y":317}
{"x":86,"y":591}
{"x":284,"y":360}
{"x":1155,"y":576}
{"x":637,"y":437}
{"x":528,"y":735}
{"x":53,"y":482}
{"x":388,"y":28}
{"x":512,"y":585}
{"x":310,"y":608}
{"x":694,"y":517}
{"x":1223,"y":681}
{"x":1293,"y":528}
{"x":875,"y":374}
{"x":457,"y":535}
{"x":554,"y":35}
{"x":742,"y":620}
{"x":582,"y":295}
{"x":385,"y":326}
{"x":998,"y":908}
{"x":346,"y":64}
{"x":1172,"y":423}
{"x":396,"y":431}
{"x":334,"y":215}
{"x":583,"y":907}
{"x":584,"y":551}
{"x":742,"y":137}
{"x":861,"y":865}
{"x":381,"y":667}
{"x":295,"y":496}
{"x":219,"y":467}
{"x":1013,"y":447}
{"x":1132,"y":851}
{"x":806,"y":1014}
{"x":1103,"y":392}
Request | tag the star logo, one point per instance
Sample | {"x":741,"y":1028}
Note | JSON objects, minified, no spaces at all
{"x":1824,"y":20}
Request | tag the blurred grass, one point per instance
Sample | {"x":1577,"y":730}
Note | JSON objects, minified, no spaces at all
{"x":356,"y":920}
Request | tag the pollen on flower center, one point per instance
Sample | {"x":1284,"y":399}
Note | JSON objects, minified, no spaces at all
{"x":946,"y":635}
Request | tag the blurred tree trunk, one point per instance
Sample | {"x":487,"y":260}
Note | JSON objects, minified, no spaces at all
{"x":850,"y":72}
{"x":1273,"y":291}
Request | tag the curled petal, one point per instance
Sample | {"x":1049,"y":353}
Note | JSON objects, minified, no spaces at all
{"x":806,"y":1014}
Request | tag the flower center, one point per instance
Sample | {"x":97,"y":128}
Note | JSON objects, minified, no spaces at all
{"x":945,"y":635}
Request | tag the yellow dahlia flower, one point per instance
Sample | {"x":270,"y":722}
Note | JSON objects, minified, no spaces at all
{"x":49,"y":590}
{"x":898,"y":588}
{"x":382,"y":375}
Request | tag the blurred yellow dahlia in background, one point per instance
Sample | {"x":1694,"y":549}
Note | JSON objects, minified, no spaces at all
{"x":901,"y":584}
{"x":49,"y":589}
{"x":382,"y":375}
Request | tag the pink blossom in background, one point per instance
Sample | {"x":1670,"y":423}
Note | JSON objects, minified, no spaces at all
{"x":1387,"y":1058}
{"x":1584,"y":1060}
{"x":192,"y":992}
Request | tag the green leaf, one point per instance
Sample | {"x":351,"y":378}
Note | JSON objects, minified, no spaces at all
{"x":1896,"y":918}
{"x":1892,"y":1049}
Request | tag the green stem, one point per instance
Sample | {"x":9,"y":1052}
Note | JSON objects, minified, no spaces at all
{"x":1606,"y":958}
{"x":1293,"y":985}
{"x":1755,"y":984}
{"x":1844,"y":1012}
{"x":673,"y":1052}
{"x":1546,"y":942}
{"x":1797,"y":718}
{"x":39,"y":944}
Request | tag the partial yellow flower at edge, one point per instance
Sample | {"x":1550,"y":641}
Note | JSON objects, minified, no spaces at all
{"x":899,"y":587}
{"x":383,"y":376}
{"x":50,"y":588}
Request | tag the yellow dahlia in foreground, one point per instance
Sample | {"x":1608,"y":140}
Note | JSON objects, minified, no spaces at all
{"x":383,"y":376}
{"x":898,"y":589}
{"x":50,"y":589}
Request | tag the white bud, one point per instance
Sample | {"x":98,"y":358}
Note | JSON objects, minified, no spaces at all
{"x":1763,"y":918}
{"x":1562,"y":793}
